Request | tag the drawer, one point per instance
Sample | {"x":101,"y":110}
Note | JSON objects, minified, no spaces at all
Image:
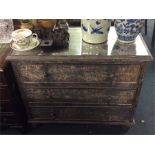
{"x":6,"y":106}
{"x":80,"y":113}
{"x":48,"y":72}
{"x":8,"y":120}
{"x":83,"y":96}
{"x":4,"y":93}
{"x":2,"y":78}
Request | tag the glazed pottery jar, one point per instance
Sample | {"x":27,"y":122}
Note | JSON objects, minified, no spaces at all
{"x":95,"y":31}
{"x":128,"y":29}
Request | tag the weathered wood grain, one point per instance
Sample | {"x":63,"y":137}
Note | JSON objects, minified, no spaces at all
{"x":82,"y":83}
{"x":77,"y":113}
{"x":78,"y":73}
{"x":4,"y":50}
{"x":85,"y":96}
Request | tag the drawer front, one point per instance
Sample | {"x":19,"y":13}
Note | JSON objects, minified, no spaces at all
{"x":2,"y":78}
{"x":4,"y":93}
{"x":81,"y":113}
{"x":84,"y":96}
{"x":78,"y":73}
{"x":6,"y":107}
{"x":8,"y":120}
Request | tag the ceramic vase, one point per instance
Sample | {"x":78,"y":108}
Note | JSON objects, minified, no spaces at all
{"x":128,"y":29}
{"x":95,"y":31}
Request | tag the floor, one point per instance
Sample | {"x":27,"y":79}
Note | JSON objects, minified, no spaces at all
{"x":144,"y":116}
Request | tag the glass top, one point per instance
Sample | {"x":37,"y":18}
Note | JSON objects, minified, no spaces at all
{"x":77,"y":47}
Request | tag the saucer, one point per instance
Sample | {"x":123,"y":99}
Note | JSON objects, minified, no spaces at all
{"x":35,"y":42}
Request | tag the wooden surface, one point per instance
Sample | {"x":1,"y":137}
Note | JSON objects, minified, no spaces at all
{"x":6,"y":106}
{"x":8,"y":94}
{"x":83,"y":83}
{"x":4,"y":50}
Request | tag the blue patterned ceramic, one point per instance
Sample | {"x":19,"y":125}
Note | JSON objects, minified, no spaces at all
{"x":95,"y":31}
{"x":128,"y":29}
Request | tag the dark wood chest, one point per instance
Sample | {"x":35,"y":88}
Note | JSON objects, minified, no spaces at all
{"x":9,"y":101}
{"x":7,"y":115}
{"x":84,"y":83}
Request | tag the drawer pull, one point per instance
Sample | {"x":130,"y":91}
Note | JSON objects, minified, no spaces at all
{"x":106,"y":113}
{"x":52,"y":115}
{"x":111,"y":75}
{"x":109,"y":98}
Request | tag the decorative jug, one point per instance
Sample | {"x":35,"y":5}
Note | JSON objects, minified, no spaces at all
{"x":95,"y":31}
{"x":128,"y":29}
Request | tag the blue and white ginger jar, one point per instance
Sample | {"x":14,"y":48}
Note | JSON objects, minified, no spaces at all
{"x":128,"y":29}
{"x":95,"y":31}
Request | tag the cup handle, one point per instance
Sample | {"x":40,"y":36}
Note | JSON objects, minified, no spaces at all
{"x":35,"y":35}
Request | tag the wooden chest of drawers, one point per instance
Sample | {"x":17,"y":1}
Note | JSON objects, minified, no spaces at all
{"x":84,"y":83}
{"x":9,"y":107}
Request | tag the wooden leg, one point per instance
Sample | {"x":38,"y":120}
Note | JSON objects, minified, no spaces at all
{"x":145,"y":26}
{"x":153,"y":36}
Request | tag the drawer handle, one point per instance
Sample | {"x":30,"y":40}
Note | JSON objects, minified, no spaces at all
{"x":109,"y":99}
{"x":46,"y":73}
{"x":107,"y":112}
{"x":52,"y":115}
{"x":111,"y":75}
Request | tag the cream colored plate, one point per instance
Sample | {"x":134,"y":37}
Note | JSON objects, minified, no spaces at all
{"x":35,"y":42}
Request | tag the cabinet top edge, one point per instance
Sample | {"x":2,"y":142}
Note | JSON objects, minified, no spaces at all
{"x":79,"y":50}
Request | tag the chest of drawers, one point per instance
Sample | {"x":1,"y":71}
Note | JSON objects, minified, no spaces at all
{"x":10,"y":110}
{"x":84,"y":83}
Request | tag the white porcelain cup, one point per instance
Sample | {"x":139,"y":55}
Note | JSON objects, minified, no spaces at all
{"x":23,"y":37}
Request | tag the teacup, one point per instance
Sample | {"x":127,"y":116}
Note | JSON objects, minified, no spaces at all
{"x":23,"y":37}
